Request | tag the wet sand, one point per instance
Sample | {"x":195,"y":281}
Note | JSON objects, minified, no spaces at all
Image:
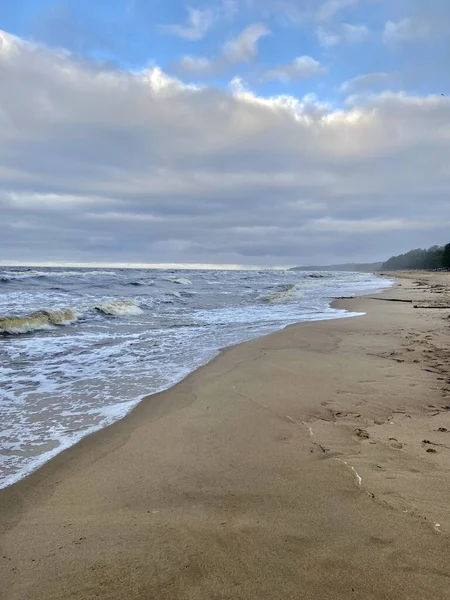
{"x":313,"y":463}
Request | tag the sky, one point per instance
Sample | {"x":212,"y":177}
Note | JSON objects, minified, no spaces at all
{"x":248,"y":132}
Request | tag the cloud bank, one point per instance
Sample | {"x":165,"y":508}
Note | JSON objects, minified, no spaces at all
{"x":102,"y":164}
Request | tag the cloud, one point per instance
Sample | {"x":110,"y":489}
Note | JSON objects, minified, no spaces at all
{"x":369,"y":225}
{"x":245,"y":46}
{"x":354,"y":33}
{"x":343,"y":33}
{"x":326,"y":38}
{"x":302,"y":67}
{"x":331,"y":7}
{"x":195,"y":64}
{"x":369,"y":80}
{"x":107,"y":165}
{"x":199,"y":22}
{"x":406,"y":30}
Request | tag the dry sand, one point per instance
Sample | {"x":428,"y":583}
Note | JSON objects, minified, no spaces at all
{"x":309,"y":464}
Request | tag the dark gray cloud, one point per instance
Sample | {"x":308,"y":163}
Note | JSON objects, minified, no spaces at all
{"x":104,"y":165}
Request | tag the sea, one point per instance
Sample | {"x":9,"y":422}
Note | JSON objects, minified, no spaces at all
{"x":79,"y":348}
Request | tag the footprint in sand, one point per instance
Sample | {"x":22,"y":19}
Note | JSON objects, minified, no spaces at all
{"x":395,"y":443}
{"x":361,"y":433}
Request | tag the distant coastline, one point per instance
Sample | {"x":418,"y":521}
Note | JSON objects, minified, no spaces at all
{"x":435,"y":258}
{"x":349,"y":267}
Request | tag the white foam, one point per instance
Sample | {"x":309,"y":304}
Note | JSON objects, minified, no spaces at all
{"x":119,"y":308}
{"x":20,"y":275}
{"x":180,"y":280}
{"x":287,"y":293}
{"x":37,"y":321}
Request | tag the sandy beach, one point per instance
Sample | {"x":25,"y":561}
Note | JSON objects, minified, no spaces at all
{"x":313,"y":463}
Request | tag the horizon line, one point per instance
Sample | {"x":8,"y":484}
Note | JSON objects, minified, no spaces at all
{"x":137,"y":265}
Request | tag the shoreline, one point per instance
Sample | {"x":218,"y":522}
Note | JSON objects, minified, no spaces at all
{"x":295,"y":465}
{"x":38,"y":464}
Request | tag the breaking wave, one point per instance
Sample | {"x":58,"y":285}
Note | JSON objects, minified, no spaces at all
{"x":119,"y":308}
{"x":180,"y":280}
{"x":20,"y":275}
{"x":286,"y":293}
{"x":31,"y":274}
{"x":43,"y":319}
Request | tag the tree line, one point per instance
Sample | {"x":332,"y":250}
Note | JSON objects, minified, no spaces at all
{"x":434,"y":258}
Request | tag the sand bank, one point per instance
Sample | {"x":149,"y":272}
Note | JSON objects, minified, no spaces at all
{"x":312,"y":463}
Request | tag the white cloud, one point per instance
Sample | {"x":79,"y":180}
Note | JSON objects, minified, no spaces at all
{"x":406,"y":30}
{"x":238,"y":85}
{"x":198,"y":24}
{"x":327,"y":39}
{"x":354,"y":33}
{"x":99,"y":164}
{"x":367,"y":81}
{"x":195,"y":64}
{"x":343,"y":33}
{"x":245,"y":46}
{"x":378,"y":226}
{"x":331,"y":7}
{"x":302,"y":67}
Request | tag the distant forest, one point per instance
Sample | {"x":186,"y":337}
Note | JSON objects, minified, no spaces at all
{"x":352,"y":267}
{"x":436,"y":257}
